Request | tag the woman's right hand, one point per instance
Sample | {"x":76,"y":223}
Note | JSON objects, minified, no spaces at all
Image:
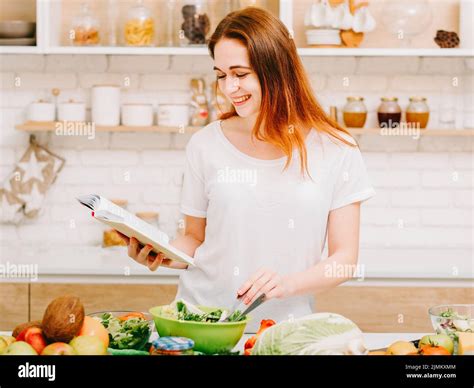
{"x":142,"y":254}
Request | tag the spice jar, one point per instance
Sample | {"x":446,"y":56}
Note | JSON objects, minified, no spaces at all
{"x":354,"y":112}
{"x":172,"y":346}
{"x":196,"y":24}
{"x":140,"y":27}
{"x":418,"y":112}
{"x":85,"y":28}
{"x":389,"y":113}
{"x":111,"y":237}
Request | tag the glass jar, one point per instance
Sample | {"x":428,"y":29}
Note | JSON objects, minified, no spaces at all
{"x":110,"y":237}
{"x":354,"y":112}
{"x":389,"y":113}
{"x":85,"y":28}
{"x":196,"y":24}
{"x":418,"y":112}
{"x":172,"y":346}
{"x":139,"y":27}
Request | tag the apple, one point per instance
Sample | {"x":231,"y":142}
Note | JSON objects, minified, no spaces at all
{"x":20,"y":348}
{"x":401,"y":348}
{"x":437,"y":340}
{"x":58,"y":349}
{"x":90,"y":345}
{"x":94,"y":327}
{"x":34,"y":337}
{"x":5,"y":342}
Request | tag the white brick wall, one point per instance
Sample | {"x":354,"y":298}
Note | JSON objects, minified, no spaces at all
{"x":424,"y":187}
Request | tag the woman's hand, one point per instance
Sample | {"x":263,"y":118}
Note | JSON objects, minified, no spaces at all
{"x":264,"y":281}
{"x":143,"y":256}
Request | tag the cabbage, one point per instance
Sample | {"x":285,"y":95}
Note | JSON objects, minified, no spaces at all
{"x":316,"y":334}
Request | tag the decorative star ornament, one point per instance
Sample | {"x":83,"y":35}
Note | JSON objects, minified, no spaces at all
{"x":33,"y":200}
{"x":33,"y":168}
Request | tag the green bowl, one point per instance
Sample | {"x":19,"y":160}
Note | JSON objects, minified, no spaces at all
{"x":209,"y":338}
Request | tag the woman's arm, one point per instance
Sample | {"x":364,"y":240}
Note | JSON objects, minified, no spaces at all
{"x":194,"y":235}
{"x":343,"y":248}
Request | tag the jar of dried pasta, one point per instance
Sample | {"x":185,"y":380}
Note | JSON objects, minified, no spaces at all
{"x":139,"y":29}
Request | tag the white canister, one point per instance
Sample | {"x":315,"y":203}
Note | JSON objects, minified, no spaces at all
{"x":105,"y":104}
{"x":173,"y":115}
{"x":137,"y":115}
{"x":72,"y":111}
{"x":41,"y":111}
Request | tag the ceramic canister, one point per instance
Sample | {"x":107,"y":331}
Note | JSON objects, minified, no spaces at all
{"x":105,"y":103}
{"x":72,"y":111}
{"x":41,"y":111}
{"x":137,"y":115}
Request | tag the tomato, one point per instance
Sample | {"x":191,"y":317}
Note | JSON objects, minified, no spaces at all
{"x":430,"y":350}
{"x":132,"y":315}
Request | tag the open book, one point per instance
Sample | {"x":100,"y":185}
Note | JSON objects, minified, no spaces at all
{"x":132,"y":226}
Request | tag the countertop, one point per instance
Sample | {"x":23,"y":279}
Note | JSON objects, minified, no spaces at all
{"x":371,"y":340}
{"x":94,"y":264}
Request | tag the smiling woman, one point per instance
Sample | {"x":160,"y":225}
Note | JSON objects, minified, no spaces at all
{"x":301,"y":179}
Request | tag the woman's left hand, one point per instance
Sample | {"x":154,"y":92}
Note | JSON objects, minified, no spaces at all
{"x":264,"y":281}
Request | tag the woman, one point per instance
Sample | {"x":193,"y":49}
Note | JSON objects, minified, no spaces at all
{"x":265,"y":185}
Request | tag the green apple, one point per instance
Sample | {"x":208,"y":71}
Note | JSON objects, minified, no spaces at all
{"x":5,"y":342}
{"x":58,"y":349}
{"x":90,"y":345}
{"x":20,"y":348}
{"x":438,"y":340}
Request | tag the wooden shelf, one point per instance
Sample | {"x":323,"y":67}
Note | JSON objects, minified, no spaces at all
{"x":51,"y":127}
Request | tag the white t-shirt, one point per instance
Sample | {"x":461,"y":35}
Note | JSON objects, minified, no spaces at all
{"x":258,"y":216}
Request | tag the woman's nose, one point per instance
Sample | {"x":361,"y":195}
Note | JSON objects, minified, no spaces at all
{"x":231,"y":84}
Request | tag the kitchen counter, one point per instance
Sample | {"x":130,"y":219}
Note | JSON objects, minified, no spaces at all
{"x":371,"y":340}
{"x":94,"y":264}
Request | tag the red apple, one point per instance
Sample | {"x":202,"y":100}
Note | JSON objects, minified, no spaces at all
{"x":58,"y":349}
{"x":34,"y":337}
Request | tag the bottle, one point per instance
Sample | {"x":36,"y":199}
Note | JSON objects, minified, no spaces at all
{"x":389,"y":113}
{"x":140,"y":26}
{"x":418,"y":112}
{"x":354,"y":112}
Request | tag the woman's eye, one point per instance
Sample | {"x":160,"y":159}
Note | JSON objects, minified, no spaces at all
{"x":220,"y":76}
{"x":241,"y":75}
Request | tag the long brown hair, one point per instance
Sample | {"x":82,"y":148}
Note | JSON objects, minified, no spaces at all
{"x":288,"y":103}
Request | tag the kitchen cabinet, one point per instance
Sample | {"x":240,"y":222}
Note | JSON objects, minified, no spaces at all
{"x":53,"y":22}
{"x":14,"y":304}
{"x":374,"y":309}
{"x":102,"y":297}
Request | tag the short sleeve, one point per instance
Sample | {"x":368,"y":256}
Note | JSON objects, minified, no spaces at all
{"x":194,"y":199}
{"x":352,"y":183}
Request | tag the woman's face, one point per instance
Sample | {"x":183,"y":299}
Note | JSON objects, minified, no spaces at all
{"x":236,"y":78}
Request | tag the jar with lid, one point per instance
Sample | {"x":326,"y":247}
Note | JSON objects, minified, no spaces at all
{"x":418,"y":112}
{"x":110,"y":237}
{"x":139,"y":27}
{"x":85,"y":28}
{"x":196,"y":24}
{"x":389,"y":113}
{"x":172,"y":346}
{"x":354,"y":112}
